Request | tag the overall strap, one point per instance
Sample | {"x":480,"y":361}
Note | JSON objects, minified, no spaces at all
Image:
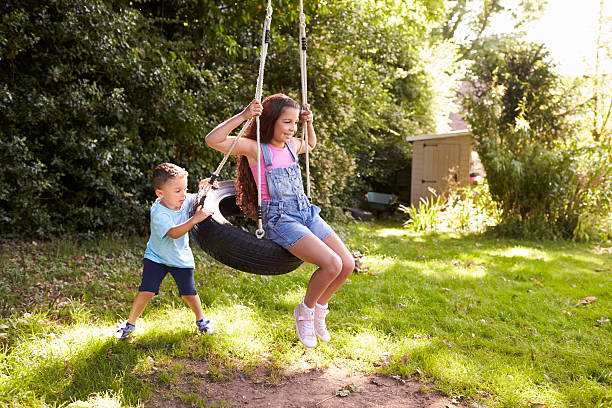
{"x":266,"y":154}
{"x":293,"y":155}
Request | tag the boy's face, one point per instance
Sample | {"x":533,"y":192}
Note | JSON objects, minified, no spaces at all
{"x":173,"y":193}
{"x":286,"y":125}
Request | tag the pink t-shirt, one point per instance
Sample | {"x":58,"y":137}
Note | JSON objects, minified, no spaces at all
{"x":281,"y":157}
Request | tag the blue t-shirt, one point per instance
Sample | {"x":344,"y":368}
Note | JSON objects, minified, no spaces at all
{"x":163,"y":249}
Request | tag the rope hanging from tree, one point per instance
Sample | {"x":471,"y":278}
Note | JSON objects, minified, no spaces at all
{"x":303,"y":75}
{"x":265,"y":41}
{"x":216,"y":235}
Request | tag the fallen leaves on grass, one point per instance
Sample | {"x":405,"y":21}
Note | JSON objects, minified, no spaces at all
{"x":536,"y":403}
{"x":459,"y":308}
{"x":360,"y":265}
{"x":587,"y":300}
{"x":601,"y":250}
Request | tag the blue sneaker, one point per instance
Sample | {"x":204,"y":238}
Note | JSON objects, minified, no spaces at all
{"x":205,"y":326}
{"x":125,"y":330}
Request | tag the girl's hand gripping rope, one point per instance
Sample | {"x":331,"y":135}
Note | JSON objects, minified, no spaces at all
{"x":306,"y":114}
{"x":255,"y":108}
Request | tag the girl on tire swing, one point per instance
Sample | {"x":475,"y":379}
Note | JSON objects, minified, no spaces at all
{"x":289,"y":218}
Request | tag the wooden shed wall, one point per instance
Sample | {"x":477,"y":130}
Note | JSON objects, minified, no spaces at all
{"x":433,"y":160}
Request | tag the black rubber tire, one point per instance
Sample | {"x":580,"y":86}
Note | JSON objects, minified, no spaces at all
{"x":233,"y":246}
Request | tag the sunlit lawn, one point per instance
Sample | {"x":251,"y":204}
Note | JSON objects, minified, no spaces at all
{"x":502,"y":322}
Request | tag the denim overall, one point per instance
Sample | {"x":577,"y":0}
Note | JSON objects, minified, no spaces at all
{"x":289,"y":216}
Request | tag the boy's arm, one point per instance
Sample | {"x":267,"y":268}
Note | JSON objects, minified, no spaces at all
{"x":179,"y":230}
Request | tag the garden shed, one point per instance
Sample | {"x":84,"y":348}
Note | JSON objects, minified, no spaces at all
{"x":438,"y":158}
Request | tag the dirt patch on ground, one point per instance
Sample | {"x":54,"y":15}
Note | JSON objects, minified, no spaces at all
{"x":316,"y":388}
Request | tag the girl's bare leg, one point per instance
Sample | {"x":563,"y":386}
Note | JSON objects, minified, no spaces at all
{"x":348,"y":265}
{"x":335,"y":265}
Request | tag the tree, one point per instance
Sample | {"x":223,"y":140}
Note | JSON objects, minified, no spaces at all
{"x":547,"y":186}
{"x":601,"y":127}
{"x":94,"y":93}
{"x":468,"y":22}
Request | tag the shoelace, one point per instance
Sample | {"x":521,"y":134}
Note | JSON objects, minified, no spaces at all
{"x":321,"y":322}
{"x":308,"y":326}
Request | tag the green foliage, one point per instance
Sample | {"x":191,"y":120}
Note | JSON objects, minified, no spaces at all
{"x":93,"y":98}
{"x":469,"y":21}
{"x":369,"y":89}
{"x":425,"y":216}
{"x":464,"y":209}
{"x":546,"y":186}
{"x":94,"y":94}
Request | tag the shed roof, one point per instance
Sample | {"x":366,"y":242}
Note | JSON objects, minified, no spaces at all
{"x":439,"y":135}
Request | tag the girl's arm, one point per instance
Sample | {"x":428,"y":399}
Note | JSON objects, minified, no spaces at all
{"x":307,"y":118}
{"x":220,"y":140}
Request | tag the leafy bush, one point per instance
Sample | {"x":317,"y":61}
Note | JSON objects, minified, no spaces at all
{"x":94,"y":94}
{"x":92,"y":99}
{"x":463,"y":209}
{"x":546,"y":185}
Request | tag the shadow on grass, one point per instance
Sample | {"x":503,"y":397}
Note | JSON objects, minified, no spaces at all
{"x":466,"y":311}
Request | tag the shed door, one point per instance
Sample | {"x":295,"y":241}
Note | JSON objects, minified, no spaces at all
{"x":439,"y":160}
{"x":448,"y":164}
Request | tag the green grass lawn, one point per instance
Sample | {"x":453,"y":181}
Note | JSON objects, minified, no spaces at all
{"x":506,"y":323}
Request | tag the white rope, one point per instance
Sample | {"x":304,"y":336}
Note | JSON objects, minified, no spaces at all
{"x":303,"y":72}
{"x":265,"y":39}
{"x":240,"y":134}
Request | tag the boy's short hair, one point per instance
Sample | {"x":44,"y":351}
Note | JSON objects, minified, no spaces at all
{"x":165,"y":171}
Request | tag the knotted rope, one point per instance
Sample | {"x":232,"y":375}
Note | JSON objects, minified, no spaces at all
{"x":265,"y":40}
{"x":303,"y":75}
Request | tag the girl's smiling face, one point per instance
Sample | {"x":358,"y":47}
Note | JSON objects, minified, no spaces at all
{"x":285,"y":126}
{"x":173,"y":193}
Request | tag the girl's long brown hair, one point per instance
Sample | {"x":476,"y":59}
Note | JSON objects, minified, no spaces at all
{"x":246,"y":188}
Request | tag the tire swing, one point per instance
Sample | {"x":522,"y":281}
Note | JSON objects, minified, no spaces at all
{"x":217,"y":236}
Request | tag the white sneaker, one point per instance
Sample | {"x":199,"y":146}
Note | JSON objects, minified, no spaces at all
{"x":319,"y":323}
{"x":304,"y":325}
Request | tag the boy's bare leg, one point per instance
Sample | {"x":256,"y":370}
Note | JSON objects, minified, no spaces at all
{"x":140,"y":302}
{"x":194,"y":303}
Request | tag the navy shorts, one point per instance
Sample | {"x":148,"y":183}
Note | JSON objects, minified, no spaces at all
{"x":287,"y":223}
{"x":153,"y":274}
